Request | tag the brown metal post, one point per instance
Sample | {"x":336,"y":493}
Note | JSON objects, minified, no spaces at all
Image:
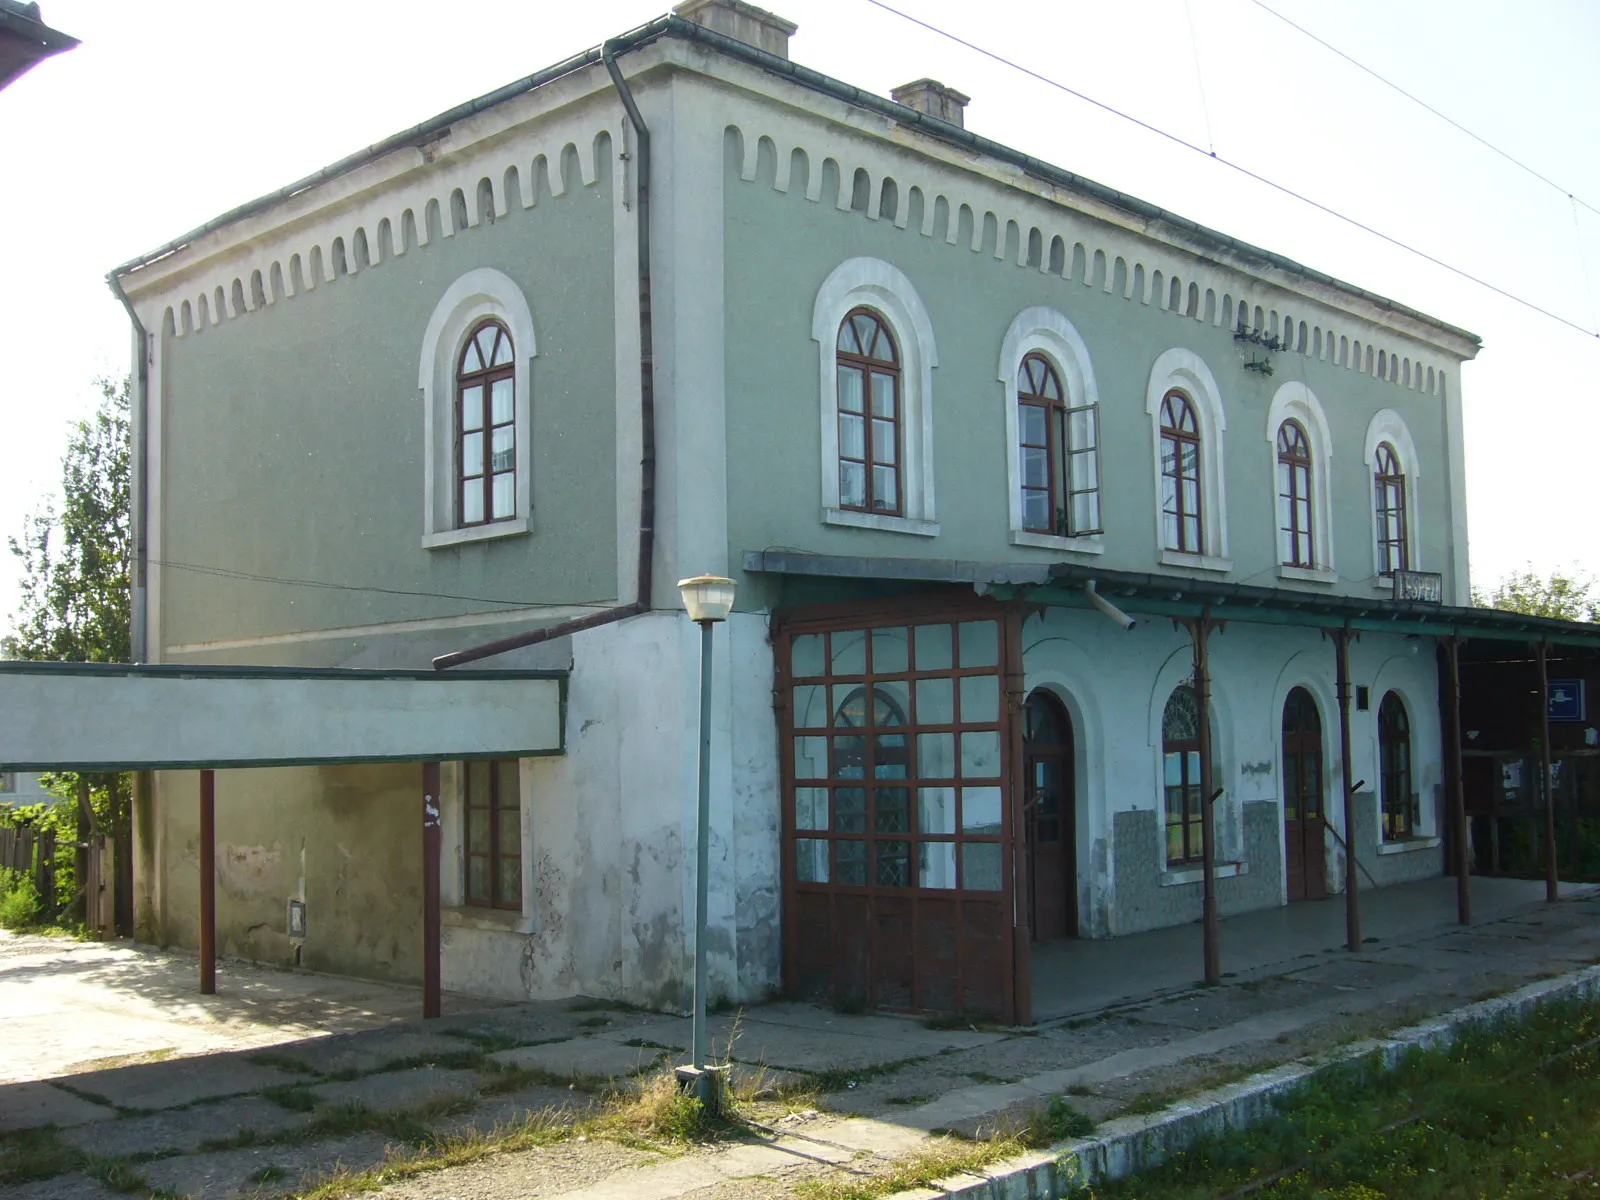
{"x":83,"y":906}
{"x":1200,"y":632}
{"x":1458,"y":794}
{"x":1018,"y":783}
{"x":208,"y":883}
{"x":1352,"y":898}
{"x":1552,"y":881}
{"x":430,"y":889}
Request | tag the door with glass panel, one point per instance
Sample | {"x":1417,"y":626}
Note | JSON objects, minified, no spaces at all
{"x":1048,"y":809}
{"x":1305,"y":856}
{"x":897,"y":866}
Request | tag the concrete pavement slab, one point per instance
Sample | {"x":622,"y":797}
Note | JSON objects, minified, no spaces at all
{"x":908,"y":1030}
{"x":595,"y":1057}
{"x":183,"y":1129}
{"x":62,"y":1187}
{"x":30,"y":1105}
{"x":176,"y":1081}
{"x":514,"y":1108}
{"x":365,"y":1052}
{"x":262,"y":1171}
{"x":393,"y":1091}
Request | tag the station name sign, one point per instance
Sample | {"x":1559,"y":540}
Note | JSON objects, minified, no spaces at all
{"x":1423,"y":587}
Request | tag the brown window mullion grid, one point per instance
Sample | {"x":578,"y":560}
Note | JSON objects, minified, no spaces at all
{"x":474,"y":417}
{"x":882,"y":444}
{"x":501,"y":799}
{"x":1294,"y":496}
{"x":1390,"y":484}
{"x":1180,"y":446}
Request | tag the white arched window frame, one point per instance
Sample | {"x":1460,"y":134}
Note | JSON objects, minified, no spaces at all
{"x":1185,"y":371}
{"x":1041,"y":330}
{"x":475,"y":297}
{"x":1178,"y":671}
{"x":874,"y":284}
{"x":1388,"y":426}
{"x":1296,"y":402}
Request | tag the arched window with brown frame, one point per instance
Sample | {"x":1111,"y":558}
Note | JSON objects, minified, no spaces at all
{"x":1180,"y":475}
{"x":1041,"y":409}
{"x":1394,"y":765}
{"x":1295,"y":542}
{"x":1180,"y":778}
{"x":869,"y":415}
{"x":1389,"y":483}
{"x":486,"y":429}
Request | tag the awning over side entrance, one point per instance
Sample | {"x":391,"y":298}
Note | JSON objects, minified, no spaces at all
{"x":105,"y":717}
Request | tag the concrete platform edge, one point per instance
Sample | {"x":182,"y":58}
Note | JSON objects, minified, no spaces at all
{"x":1131,"y":1144}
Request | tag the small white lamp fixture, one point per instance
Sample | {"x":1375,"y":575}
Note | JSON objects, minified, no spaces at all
{"x":708,"y":598}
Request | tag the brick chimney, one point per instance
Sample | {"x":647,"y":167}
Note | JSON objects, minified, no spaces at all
{"x":932,"y":97}
{"x":744,"y":22}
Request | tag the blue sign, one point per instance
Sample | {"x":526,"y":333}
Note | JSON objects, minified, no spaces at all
{"x":1568,"y":701}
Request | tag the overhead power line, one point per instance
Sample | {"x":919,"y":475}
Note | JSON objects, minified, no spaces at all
{"x":1445,"y":117}
{"x":1243,"y":170}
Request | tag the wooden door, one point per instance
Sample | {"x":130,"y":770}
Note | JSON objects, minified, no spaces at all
{"x":1048,"y":765}
{"x":1305,"y":857}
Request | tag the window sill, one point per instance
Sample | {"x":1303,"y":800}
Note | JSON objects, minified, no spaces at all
{"x":475,"y":533}
{"x":1407,"y":845}
{"x":1307,"y":574}
{"x":879,"y":521}
{"x":1187,"y":875}
{"x":1091,"y":543}
{"x":497,"y":920}
{"x":1196,"y":562}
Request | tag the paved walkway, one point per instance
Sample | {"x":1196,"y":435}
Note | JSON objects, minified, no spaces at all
{"x":243,"y":1093}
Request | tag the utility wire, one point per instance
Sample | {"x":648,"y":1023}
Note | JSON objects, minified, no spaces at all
{"x":1243,"y":170}
{"x":1449,"y":120}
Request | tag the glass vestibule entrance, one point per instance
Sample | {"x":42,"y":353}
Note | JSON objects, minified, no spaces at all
{"x":896,"y":808}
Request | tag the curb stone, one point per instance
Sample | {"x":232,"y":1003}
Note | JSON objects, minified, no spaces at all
{"x":1132,"y":1144}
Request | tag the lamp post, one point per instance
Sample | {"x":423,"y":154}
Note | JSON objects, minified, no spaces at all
{"x":708,"y":600}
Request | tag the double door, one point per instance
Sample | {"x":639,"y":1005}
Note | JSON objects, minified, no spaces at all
{"x":1304,"y":809}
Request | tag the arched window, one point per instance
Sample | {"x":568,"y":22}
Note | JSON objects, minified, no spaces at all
{"x":1389,"y":482}
{"x":1180,"y":475}
{"x":486,"y":428}
{"x":1180,"y":753}
{"x":1041,"y":411}
{"x":1294,"y":497}
{"x":869,"y":415}
{"x":1394,"y":763}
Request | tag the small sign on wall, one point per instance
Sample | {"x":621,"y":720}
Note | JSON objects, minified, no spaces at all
{"x":297,"y":919}
{"x":1568,"y":700}
{"x":1425,"y":587}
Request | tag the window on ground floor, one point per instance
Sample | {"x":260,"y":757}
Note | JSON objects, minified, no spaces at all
{"x":493,"y":834}
{"x":1394,"y":756}
{"x":1180,"y":755}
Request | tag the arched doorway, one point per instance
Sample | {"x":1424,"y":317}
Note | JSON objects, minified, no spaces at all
{"x":1050,"y":809}
{"x":1305,"y":857}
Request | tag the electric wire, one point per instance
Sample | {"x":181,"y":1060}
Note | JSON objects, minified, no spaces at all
{"x":1243,"y":170}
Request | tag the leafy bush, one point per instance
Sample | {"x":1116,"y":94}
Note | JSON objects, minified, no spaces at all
{"x":19,"y":900}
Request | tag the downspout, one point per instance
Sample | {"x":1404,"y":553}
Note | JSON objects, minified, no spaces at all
{"x":647,"y":412}
{"x":141,"y":477}
{"x":1105,"y":606}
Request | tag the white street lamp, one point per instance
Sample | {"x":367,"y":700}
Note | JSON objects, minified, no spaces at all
{"x":708,"y":599}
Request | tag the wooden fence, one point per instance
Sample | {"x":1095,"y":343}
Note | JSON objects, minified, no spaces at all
{"x":32,"y":852}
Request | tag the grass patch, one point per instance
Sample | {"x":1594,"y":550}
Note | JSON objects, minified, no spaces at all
{"x":838,"y":1079}
{"x":292,"y":1096}
{"x":941,"y":1158}
{"x":594,"y":1022}
{"x":35,"y":1154}
{"x":985,"y":1077}
{"x":1055,"y":1122}
{"x":493,"y":1043}
{"x":282,"y":1062}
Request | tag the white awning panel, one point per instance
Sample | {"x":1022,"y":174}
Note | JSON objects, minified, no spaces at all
{"x":94,"y":717}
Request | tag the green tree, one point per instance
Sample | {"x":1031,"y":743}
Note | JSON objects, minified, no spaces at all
{"x":1568,"y":595}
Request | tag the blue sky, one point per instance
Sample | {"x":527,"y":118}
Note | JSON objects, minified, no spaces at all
{"x":171,"y":113}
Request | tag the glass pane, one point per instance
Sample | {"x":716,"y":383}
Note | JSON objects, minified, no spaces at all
{"x":477,"y":831}
{"x":472,"y":408}
{"x":1175,"y":844}
{"x":980,"y":866}
{"x":849,"y":706}
{"x":980,"y":644}
{"x":891,"y":652}
{"x":883,"y":395}
{"x":850,"y":862}
{"x":891,"y":811}
{"x":1085,"y":470}
{"x":850,"y":652}
{"x":883,"y":442}
{"x":851,"y":390}
{"x":1080,"y":429}
{"x":472,"y":360}
{"x":478,"y":880}
{"x":980,"y":810}
{"x":811,"y":860}
{"x":885,"y":488}
{"x":487,"y":337}
{"x":1036,"y":511}
{"x":472,"y":503}
{"x":933,"y":648}
{"x":810,"y":706}
{"x":936,"y":864}
{"x":806,"y":655}
{"x":810,"y":758}
{"x":501,"y":407}
{"x":894,"y":864}
{"x":936,"y":810}
{"x":502,"y":352}
{"x":478,"y":794}
{"x":850,"y":756}
{"x":980,"y":754}
{"x":891,"y":757}
{"x":852,"y":437}
{"x":472,"y":454}
{"x":508,"y":783}
{"x":1086,"y":511}
{"x":936,"y":755}
{"x":1031,"y":425}
{"x":1035,"y":468}
{"x":852,"y":485}
{"x":505,"y":495}
{"x":936,"y":701}
{"x":1172,"y":770}
{"x":850,"y":810}
{"x":511,"y":881}
{"x":811,"y":808}
{"x":980,"y":699}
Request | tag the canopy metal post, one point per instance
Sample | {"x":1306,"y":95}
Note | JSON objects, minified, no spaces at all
{"x":1199,"y":633}
{"x":1552,"y":882}
{"x":1352,"y":898}
{"x":1458,"y":801}
{"x":208,"y":883}
{"x":430,"y":890}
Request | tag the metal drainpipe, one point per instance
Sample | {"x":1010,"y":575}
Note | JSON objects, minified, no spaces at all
{"x":141,"y":477}
{"x":647,"y":411}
